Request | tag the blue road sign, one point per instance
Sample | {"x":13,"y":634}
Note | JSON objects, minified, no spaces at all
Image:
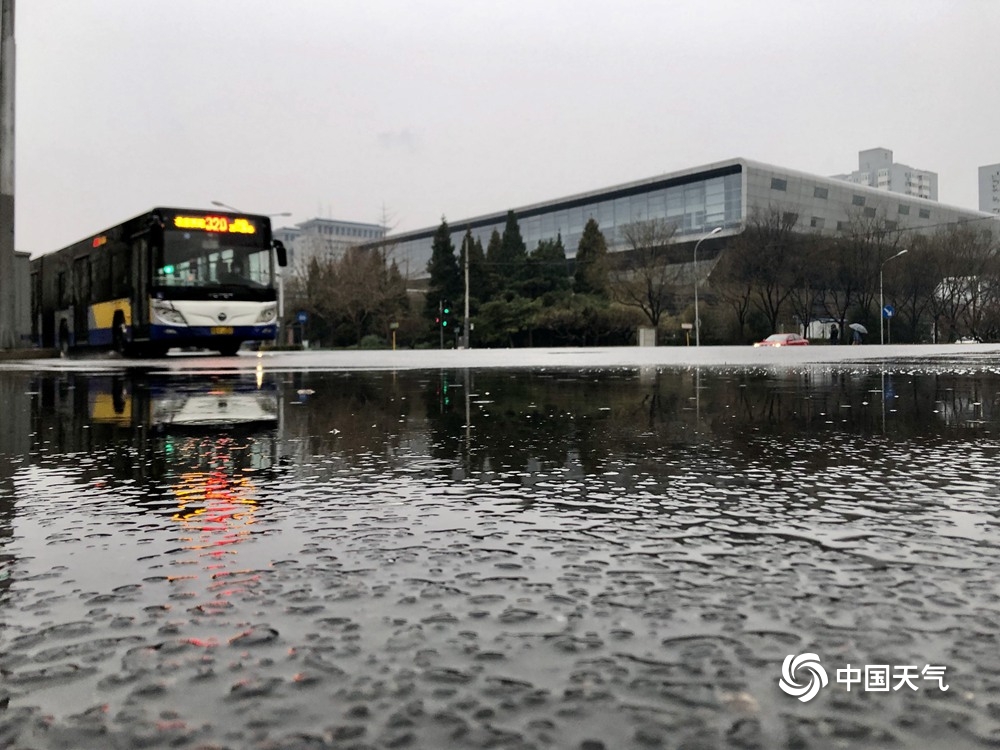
{"x":302,"y":317}
{"x":888,"y":311}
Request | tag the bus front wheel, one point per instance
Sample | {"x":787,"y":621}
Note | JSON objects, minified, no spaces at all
{"x":229,"y":348}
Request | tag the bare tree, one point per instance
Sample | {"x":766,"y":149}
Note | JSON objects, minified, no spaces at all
{"x":871,"y":240}
{"x":357,"y":290}
{"x":910,"y":282}
{"x":805,"y":280}
{"x":732,"y":284}
{"x":770,"y":242}
{"x":386,"y":245}
{"x":647,"y":273}
{"x":965,"y":266}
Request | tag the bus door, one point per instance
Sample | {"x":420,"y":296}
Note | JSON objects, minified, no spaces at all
{"x":81,"y":299}
{"x":140,"y":284}
{"x":143,"y":245}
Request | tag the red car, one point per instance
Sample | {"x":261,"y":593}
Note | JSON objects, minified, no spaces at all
{"x":783,"y":339}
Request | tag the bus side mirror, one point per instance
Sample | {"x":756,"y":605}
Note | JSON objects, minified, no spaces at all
{"x":280,"y":252}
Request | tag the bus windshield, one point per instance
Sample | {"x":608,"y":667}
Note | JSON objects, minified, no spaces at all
{"x":200,"y":259}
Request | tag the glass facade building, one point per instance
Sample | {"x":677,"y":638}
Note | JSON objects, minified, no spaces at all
{"x":696,"y":202}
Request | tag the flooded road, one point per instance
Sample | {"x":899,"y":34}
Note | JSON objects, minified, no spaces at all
{"x":567,"y":558}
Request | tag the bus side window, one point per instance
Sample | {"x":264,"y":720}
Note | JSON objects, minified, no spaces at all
{"x":120,"y":271}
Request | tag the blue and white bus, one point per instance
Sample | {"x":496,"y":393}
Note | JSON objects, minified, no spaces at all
{"x":170,"y":277}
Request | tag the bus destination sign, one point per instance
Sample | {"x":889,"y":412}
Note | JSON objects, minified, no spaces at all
{"x":211,"y":223}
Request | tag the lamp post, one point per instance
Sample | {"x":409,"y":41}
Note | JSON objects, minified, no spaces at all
{"x":278,"y":273}
{"x":881,"y":300}
{"x":697,"y":320}
{"x":220,"y":204}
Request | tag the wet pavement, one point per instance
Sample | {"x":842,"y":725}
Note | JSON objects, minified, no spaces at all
{"x":212,"y":555}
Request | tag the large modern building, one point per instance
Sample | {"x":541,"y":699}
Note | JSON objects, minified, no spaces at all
{"x":877,"y":169}
{"x":989,"y":189}
{"x":324,"y":238}
{"x":697,"y":200}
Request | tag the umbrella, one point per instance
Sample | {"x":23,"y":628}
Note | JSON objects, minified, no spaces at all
{"x":858,"y":327}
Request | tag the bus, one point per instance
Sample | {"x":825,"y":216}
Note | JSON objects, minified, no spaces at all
{"x":171,"y":277}
{"x":184,"y":447}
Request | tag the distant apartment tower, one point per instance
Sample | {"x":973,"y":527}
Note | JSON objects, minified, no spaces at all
{"x":877,"y":169}
{"x":989,"y":189}
{"x":324,"y":238}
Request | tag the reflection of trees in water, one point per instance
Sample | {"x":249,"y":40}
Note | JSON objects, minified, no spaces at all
{"x":354,"y":415}
{"x":550,"y":420}
{"x":972,"y":405}
{"x":554,"y":421}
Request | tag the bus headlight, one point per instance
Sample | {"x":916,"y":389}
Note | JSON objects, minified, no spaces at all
{"x":168,"y":314}
{"x":268,"y":314}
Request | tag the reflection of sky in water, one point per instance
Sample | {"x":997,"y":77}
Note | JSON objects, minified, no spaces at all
{"x":493,"y":558}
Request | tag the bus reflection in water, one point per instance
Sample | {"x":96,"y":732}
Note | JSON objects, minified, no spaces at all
{"x":204,"y":447}
{"x":157,"y":434}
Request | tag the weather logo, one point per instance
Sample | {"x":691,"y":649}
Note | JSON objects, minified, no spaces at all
{"x":809,"y":666}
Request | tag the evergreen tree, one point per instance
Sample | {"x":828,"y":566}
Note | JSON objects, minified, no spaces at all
{"x":591,"y":275}
{"x":494,"y":273}
{"x":547,"y":269}
{"x":445,"y":283}
{"x":480,"y":272}
{"x":513,"y":247}
{"x":479,"y":282}
{"x":510,"y":264}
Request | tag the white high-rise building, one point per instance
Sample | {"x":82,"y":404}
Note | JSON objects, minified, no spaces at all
{"x":877,"y":169}
{"x":989,"y":188}
{"x":324,"y":238}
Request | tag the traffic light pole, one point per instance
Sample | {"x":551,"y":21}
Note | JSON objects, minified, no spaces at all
{"x":440,"y":323}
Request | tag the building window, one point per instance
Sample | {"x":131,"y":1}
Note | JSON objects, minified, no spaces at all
{"x":790,"y":218}
{"x":821,"y":192}
{"x":816,"y":222}
{"x":870,"y":212}
{"x":925,"y":213}
{"x":904,"y":210}
{"x":779,"y":184}
{"x":891,"y":225}
{"x":841,"y":226}
{"x":858,"y":200}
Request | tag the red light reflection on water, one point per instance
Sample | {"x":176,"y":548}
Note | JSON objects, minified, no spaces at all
{"x":215,"y":507}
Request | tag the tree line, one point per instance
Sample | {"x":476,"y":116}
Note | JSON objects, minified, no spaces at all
{"x":942,"y":285}
{"x":768,"y":278}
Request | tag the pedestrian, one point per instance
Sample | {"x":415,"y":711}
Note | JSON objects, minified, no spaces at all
{"x":857,"y":337}
{"x":834,"y":334}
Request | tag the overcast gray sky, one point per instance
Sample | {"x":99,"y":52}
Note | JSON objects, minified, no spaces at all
{"x":348,"y":109}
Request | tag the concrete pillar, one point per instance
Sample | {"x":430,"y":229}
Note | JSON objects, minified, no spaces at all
{"x":8,"y":337}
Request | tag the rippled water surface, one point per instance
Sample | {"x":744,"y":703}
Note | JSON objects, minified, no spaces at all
{"x":477,"y":559}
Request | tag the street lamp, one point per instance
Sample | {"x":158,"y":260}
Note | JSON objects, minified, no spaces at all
{"x":220,"y":204}
{"x":697,"y":321}
{"x":278,"y":273}
{"x":881,"y":300}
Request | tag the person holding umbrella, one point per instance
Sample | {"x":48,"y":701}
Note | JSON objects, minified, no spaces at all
{"x":858,"y":331}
